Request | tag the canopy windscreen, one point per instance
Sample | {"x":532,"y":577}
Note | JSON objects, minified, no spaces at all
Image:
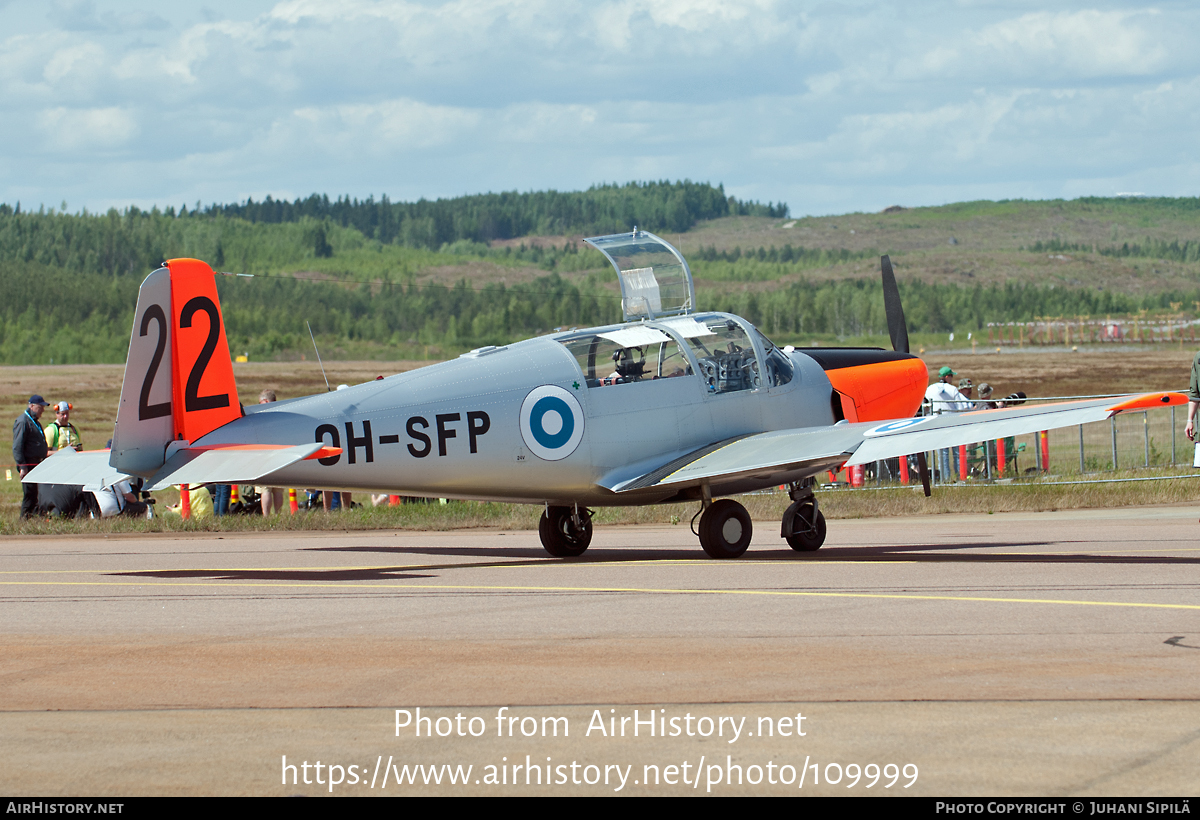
{"x":655,"y":280}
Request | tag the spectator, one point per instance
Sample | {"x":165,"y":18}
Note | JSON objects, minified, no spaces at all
{"x":330,"y":499}
{"x":199,"y":502}
{"x":60,"y":433}
{"x":1193,"y":395}
{"x":944,"y":397}
{"x":29,"y":450}
{"x":272,"y":497}
{"x":985,"y":398}
{"x":62,"y":500}
{"x":120,"y":499}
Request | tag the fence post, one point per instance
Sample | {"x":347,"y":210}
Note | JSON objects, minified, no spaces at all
{"x":1146,"y":434}
{"x":1082,"y":468}
{"x":1112,"y":422}
{"x":987,"y":459}
{"x":1172,"y":435}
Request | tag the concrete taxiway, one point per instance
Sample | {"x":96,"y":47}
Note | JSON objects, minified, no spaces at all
{"x":1010,"y":654}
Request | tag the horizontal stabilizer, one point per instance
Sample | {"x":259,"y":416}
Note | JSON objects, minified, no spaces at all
{"x":233,"y":463}
{"x":88,"y":468}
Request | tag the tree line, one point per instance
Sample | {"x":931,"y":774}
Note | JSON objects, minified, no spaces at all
{"x":71,"y":317}
{"x":1176,"y":251}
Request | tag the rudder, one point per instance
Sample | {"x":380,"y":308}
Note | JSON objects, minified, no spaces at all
{"x":179,"y":381}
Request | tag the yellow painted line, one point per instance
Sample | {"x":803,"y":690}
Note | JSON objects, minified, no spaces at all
{"x":642,"y":590}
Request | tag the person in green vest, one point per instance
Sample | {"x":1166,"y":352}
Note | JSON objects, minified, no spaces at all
{"x":60,"y":433}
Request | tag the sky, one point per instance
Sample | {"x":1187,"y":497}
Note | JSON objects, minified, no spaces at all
{"x":829,"y":107}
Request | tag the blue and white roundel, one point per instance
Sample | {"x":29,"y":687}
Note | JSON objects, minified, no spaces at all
{"x":551,"y":422}
{"x":895,"y":426}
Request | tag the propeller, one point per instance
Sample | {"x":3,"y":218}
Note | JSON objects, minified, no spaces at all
{"x":897,"y":327}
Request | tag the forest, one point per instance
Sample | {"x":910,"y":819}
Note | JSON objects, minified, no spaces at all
{"x":369,"y":291}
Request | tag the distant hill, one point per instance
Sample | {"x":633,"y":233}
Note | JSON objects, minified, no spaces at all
{"x":71,"y":279}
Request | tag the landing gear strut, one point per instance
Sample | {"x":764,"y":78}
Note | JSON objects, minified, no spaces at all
{"x":566,"y":531}
{"x":725,"y":529}
{"x":803,"y":524}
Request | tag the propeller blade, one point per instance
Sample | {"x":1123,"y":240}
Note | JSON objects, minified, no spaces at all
{"x":897,"y":327}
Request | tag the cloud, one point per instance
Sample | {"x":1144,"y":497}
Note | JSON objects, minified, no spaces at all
{"x":830,"y":103}
{"x":82,"y":129}
{"x":81,"y":15}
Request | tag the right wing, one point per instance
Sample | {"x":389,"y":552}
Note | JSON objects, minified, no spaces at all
{"x":783,"y":455}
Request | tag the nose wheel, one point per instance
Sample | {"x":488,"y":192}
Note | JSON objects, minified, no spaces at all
{"x":725,"y":529}
{"x":804,"y":525}
{"x":566,"y":531}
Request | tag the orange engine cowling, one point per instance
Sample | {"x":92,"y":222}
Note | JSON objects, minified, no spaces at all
{"x":873,"y":384}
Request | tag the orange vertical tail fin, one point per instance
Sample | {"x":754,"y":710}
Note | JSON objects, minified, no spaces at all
{"x":203,"y":389}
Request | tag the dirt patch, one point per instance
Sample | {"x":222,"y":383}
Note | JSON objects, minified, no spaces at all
{"x":1092,"y":370}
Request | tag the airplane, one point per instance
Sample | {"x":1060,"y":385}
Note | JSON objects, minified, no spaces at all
{"x":670,"y":405}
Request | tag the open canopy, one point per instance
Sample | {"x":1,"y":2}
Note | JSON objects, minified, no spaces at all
{"x":655,"y":280}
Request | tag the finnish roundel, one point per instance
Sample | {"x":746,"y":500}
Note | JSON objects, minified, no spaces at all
{"x":551,"y":422}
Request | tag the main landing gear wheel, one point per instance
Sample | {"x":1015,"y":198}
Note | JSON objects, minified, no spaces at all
{"x":808,"y":526}
{"x":565,"y":534}
{"x":725,"y":529}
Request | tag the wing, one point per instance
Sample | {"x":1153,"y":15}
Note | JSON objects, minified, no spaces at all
{"x":785,"y":455}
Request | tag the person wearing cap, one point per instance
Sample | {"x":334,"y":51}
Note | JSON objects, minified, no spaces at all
{"x":985,"y":398}
{"x":944,"y":397}
{"x":60,"y":433}
{"x":29,"y":450}
{"x":1193,"y":395}
{"x":965,"y":387}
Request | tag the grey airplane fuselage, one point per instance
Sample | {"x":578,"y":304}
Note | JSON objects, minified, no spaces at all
{"x":454,"y":429}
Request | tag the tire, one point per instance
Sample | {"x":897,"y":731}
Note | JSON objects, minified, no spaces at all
{"x":807,"y":534}
{"x":725,"y":529}
{"x":560,"y":537}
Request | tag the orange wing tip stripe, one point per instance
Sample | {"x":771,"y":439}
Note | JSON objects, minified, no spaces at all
{"x":1149,"y":401}
{"x":324,"y":452}
{"x":206,"y":448}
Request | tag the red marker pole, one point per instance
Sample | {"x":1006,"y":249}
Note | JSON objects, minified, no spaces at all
{"x":185,"y":502}
{"x":962,"y":462}
{"x":292,"y":505}
{"x":234,"y":496}
{"x":393,"y":500}
{"x":1045,"y":441}
{"x":903,"y":469}
{"x":1000,"y":455}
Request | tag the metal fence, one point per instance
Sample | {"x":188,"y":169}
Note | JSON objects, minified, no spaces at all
{"x":1129,"y":441}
